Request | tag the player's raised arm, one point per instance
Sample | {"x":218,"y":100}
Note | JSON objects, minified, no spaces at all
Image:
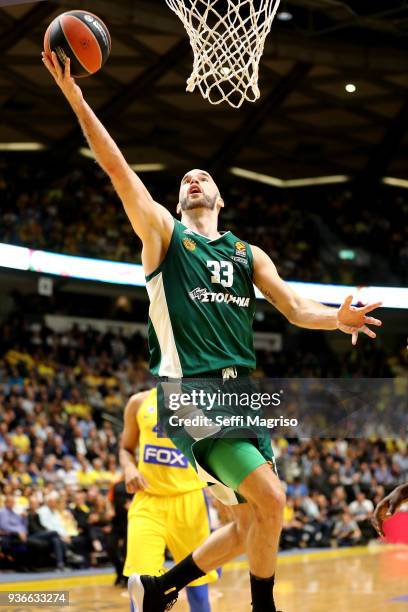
{"x":308,"y":313}
{"x":146,"y":215}
{"x":134,"y":480}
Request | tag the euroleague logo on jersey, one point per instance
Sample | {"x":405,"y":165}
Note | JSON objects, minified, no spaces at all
{"x":240,"y":253}
{"x":189,"y":244}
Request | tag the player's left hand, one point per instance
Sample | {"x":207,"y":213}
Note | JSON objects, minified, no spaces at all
{"x":352,"y":320}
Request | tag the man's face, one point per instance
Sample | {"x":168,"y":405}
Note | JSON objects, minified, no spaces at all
{"x":198,"y":190}
{"x":52,"y":502}
{"x":80,"y":498}
{"x":9,"y":502}
{"x":97,"y":464}
{"x":34,"y":504}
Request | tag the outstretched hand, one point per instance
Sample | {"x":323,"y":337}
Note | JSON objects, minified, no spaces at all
{"x":62,"y":77}
{"x":388,"y":507}
{"x":352,"y":320}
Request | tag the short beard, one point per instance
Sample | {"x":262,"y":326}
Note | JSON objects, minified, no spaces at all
{"x":202,"y":202}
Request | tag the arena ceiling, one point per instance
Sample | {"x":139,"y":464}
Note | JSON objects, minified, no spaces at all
{"x":304,"y":125}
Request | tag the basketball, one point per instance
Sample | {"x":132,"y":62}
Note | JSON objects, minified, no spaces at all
{"x":82,"y":37}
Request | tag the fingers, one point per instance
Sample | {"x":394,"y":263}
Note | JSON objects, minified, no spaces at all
{"x":136,"y":484}
{"x":347,"y":302}
{"x":52,"y":64}
{"x":372,"y":321}
{"x":48,"y":63}
{"x":371,"y":307}
{"x":377,"y":519}
{"x":131,"y":486}
{"x":354,"y":337}
{"x":67,"y":68}
{"x":377,"y":524}
{"x":56,"y":64}
{"x":368,"y":332}
{"x":141,"y":483}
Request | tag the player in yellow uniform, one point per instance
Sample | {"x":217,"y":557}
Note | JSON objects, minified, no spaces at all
{"x":169,"y":508}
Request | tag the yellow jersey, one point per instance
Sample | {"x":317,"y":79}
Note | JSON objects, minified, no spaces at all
{"x":164,"y":467}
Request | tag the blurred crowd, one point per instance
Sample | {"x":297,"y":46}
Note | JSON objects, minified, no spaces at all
{"x":375,"y":223}
{"x":62,"y":497}
{"x":303,"y":231}
{"x":333,"y":487}
{"x":61,"y":395}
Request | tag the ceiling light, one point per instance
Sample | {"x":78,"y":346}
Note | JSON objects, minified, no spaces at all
{"x":395,"y":182}
{"x":154,"y":167}
{"x":21,"y":146}
{"x":347,"y":254}
{"x":284,"y":16}
{"x":291,"y":183}
{"x":351,"y":88}
{"x":147,"y":167}
{"x":86,"y":153}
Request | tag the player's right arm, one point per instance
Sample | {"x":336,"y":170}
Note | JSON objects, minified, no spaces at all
{"x":147,"y":217}
{"x":134,"y":480}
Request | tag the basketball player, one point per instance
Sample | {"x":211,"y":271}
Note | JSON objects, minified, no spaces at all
{"x":200,"y":285}
{"x":169,"y":508}
{"x":389,"y":506}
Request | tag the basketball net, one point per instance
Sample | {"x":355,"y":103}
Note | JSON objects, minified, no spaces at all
{"x":228,"y":38}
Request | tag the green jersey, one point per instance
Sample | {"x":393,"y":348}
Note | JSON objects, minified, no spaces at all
{"x":202,"y":305}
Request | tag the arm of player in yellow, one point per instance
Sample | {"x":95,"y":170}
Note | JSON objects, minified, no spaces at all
{"x":146,"y":216}
{"x":129,"y":442}
{"x":308,"y":313}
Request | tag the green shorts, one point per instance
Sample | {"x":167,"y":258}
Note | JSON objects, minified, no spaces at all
{"x":223,"y":450}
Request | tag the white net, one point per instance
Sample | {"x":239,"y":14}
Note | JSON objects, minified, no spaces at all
{"x":228,"y":38}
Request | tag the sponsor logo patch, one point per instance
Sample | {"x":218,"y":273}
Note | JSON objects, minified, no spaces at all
{"x":205,"y":296}
{"x":197,"y":293}
{"x":164,"y":456}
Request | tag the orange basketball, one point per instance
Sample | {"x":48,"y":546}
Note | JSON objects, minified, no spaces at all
{"x":82,"y":37}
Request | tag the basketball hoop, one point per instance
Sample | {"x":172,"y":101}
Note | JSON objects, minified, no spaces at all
{"x":228,"y":38}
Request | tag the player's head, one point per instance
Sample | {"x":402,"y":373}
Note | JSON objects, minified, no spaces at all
{"x":199,"y":190}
